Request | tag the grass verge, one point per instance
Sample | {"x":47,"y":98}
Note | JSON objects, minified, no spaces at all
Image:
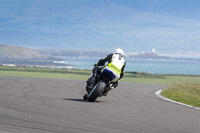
{"x":187,"y":93}
{"x":130,"y":77}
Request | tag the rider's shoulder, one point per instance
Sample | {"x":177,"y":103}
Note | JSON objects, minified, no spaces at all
{"x":110,"y":55}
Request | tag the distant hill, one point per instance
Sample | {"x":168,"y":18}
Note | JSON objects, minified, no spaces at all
{"x":147,"y":55}
{"x":99,"y":54}
{"x":16,"y":52}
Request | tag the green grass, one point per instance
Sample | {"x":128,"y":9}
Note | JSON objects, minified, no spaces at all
{"x":168,"y":80}
{"x":130,"y":77}
{"x":185,"y":93}
{"x":43,"y":75}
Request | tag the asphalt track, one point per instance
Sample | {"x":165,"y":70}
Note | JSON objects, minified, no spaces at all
{"x":34,"y":105}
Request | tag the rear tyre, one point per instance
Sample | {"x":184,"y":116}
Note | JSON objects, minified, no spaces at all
{"x":97,"y":91}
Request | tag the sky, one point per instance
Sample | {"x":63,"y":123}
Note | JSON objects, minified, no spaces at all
{"x":169,"y":26}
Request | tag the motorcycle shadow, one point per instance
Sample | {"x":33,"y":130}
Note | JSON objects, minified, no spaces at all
{"x":78,"y":100}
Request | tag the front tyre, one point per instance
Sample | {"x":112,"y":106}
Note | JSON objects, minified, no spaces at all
{"x":97,"y":91}
{"x":85,"y":96}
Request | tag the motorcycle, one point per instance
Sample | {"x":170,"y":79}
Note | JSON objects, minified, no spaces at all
{"x":101,"y":87}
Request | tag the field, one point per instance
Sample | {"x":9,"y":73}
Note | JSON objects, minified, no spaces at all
{"x":130,"y":77}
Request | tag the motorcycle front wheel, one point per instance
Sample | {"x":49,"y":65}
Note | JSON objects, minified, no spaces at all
{"x":97,"y":91}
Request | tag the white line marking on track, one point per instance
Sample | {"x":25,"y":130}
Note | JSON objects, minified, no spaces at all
{"x":158,"y":93}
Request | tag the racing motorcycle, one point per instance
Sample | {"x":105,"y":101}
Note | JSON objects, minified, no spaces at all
{"x":101,"y":87}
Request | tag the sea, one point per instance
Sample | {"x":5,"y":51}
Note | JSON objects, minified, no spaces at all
{"x":188,"y":67}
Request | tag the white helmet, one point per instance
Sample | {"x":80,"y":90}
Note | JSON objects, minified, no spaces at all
{"x":119,"y":51}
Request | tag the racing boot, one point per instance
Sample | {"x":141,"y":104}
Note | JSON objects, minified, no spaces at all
{"x":91,"y":81}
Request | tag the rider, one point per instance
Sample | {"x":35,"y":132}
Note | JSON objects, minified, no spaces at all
{"x":114,"y":68}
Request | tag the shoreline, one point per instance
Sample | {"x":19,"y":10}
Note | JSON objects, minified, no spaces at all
{"x":172,"y":67}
